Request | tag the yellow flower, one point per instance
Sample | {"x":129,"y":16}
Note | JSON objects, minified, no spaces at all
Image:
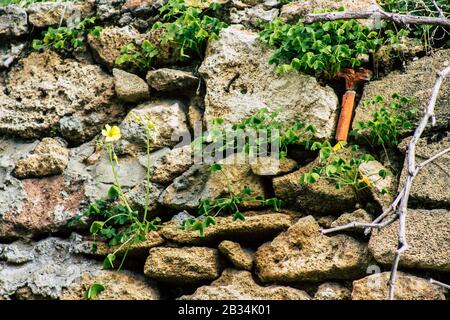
{"x":339,"y":146}
{"x":366,"y":181}
{"x":111,"y":133}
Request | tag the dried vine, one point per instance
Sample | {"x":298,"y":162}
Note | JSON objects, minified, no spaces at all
{"x":400,"y":205}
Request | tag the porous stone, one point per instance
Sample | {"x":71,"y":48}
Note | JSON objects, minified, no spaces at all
{"x":198,"y":183}
{"x":407,"y":287}
{"x":430,"y":188}
{"x":293,"y":11}
{"x":129,"y":87}
{"x":416,"y":82}
{"x":321,"y":197}
{"x":44,"y":14}
{"x":359,"y":215}
{"x":270,"y":166}
{"x":382,"y":190}
{"x":240,"y":285}
{"x":166,"y":164}
{"x":170,"y":80}
{"x":111,"y":40}
{"x":239,"y":257}
{"x":332,"y":291}
{"x":13,"y":21}
{"x":257,"y":226}
{"x":123,"y":285}
{"x":428,"y":237}
{"x":239,"y":82}
{"x":49,"y":158}
{"x":169,"y":118}
{"x":302,"y":253}
{"x":9,"y":52}
{"x":137,"y":197}
{"x":48,"y":94}
{"x":253,"y":16}
{"x":84,"y":245}
{"x":45,"y":267}
{"x":183,"y":265}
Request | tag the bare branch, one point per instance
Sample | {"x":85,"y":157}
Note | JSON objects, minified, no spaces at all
{"x":441,"y":284}
{"x":412,"y":172}
{"x":400,"y":205}
{"x":403,"y":19}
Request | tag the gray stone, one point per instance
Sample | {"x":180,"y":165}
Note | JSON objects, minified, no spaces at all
{"x":359,"y":215}
{"x":137,"y":200}
{"x":240,"y":82}
{"x":169,"y":118}
{"x":430,"y":188}
{"x":239,"y":285}
{"x":107,"y":47}
{"x":302,"y":253}
{"x":183,"y":265}
{"x":170,"y":80}
{"x":44,"y":89}
{"x":129,"y":87}
{"x":48,"y":158}
{"x":428,"y":237}
{"x":293,"y":11}
{"x":407,"y":287}
{"x":46,"y":14}
{"x":13,"y":21}
{"x":321,"y":197}
{"x":239,"y":257}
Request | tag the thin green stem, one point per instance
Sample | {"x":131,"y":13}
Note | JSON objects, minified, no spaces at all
{"x":147,"y":187}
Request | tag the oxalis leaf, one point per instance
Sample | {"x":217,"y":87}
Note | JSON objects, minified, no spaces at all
{"x":93,"y":290}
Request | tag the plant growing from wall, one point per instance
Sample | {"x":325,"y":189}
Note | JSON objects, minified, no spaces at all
{"x":270,"y":130}
{"x":340,"y":170}
{"x":67,"y":38}
{"x":187,"y":28}
{"x":323,"y":48}
{"x":116,"y":221}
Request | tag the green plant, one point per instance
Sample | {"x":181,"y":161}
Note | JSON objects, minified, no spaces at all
{"x":116,"y":221}
{"x":387,"y":123}
{"x":210,"y":208}
{"x":141,"y":57}
{"x":341,"y":170}
{"x":262,"y":131}
{"x":319,"y":48}
{"x":93,"y":290}
{"x":188,"y":27}
{"x":66,"y":38}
